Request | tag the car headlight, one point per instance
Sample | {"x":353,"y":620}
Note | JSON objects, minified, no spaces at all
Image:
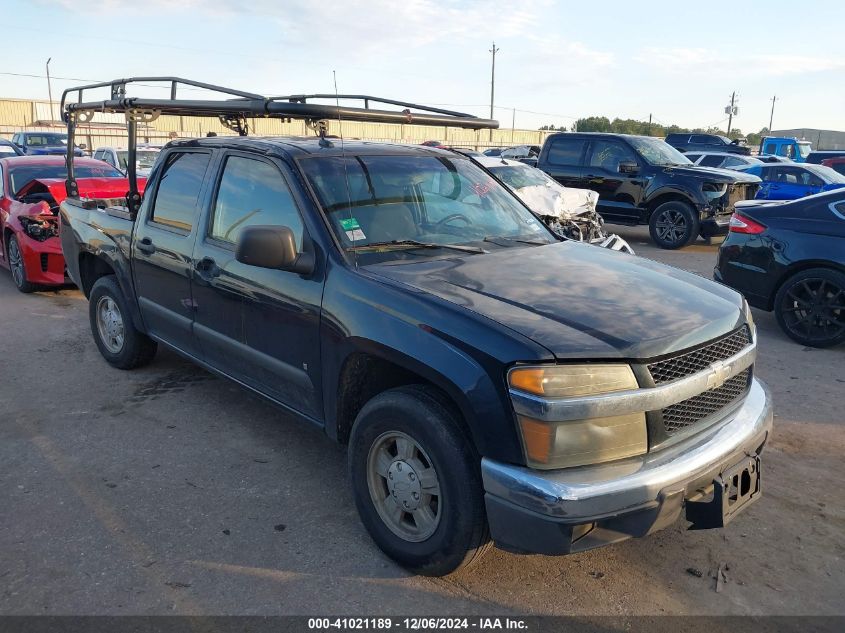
{"x":749,"y":318}
{"x":578,"y":442}
{"x":714,"y":190}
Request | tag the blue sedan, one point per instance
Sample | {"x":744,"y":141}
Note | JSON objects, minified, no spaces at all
{"x":790,"y":181}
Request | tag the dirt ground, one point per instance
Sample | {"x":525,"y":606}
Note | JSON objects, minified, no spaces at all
{"x":169,"y":491}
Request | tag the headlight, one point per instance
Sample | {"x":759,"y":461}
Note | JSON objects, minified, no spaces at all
{"x":749,"y":318}
{"x":714,"y":190}
{"x":578,"y":442}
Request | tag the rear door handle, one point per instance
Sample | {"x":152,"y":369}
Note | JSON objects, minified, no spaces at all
{"x":146,"y":246}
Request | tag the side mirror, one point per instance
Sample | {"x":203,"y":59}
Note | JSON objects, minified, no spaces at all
{"x":629,"y":167}
{"x":272,"y":247}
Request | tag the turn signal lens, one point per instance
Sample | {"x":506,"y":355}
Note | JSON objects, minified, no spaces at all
{"x":568,"y":381}
{"x":741,"y":224}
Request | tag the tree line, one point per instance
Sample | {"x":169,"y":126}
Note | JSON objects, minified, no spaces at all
{"x":644,"y":128}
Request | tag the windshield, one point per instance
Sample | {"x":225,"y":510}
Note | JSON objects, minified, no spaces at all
{"x":21,"y":175}
{"x":658,"y":152}
{"x":46,"y":140}
{"x":435,"y":200}
{"x":520,"y":177}
{"x":145,"y":158}
{"x":804,"y":149}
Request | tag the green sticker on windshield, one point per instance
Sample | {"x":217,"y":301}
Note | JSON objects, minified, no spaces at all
{"x":350,"y":224}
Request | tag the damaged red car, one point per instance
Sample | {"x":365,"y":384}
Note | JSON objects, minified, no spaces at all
{"x":31,"y":189}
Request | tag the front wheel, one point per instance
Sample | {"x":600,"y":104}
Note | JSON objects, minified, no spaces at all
{"x":416,"y":481}
{"x":119,"y":341}
{"x":674,"y":224}
{"x":810,"y":307}
{"x":17,"y":266}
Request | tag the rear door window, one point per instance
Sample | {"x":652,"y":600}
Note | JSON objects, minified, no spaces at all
{"x":566,"y":151}
{"x":700,"y":139}
{"x":176,"y":198}
{"x":712,"y":161}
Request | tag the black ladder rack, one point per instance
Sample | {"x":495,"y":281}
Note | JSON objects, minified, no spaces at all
{"x":233,"y":111}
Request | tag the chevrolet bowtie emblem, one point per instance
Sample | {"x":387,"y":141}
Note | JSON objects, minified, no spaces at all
{"x":719,"y":373}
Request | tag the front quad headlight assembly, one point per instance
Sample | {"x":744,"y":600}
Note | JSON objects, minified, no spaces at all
{"x":563,"y":444}
{"x":714,"y":190}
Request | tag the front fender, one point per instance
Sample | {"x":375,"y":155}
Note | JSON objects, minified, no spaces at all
{"x":441,"y":343}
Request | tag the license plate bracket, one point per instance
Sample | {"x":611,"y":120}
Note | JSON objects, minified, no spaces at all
{"x":734,"y":490}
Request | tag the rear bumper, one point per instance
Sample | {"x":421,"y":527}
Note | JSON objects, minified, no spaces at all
{"x":576,"y":509}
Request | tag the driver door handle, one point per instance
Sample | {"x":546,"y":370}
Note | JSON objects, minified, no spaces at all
{"x":207,"y":268}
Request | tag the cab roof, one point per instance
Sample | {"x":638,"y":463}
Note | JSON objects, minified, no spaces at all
{"x":304,"y":146}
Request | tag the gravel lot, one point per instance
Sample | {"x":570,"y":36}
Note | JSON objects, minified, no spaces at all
{"x":167,"y":490}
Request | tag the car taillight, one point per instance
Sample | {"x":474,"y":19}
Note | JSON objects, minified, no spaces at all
{"x":742,"y":224}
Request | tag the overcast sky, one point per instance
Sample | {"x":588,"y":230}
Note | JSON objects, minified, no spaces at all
{"x":557,"y":60}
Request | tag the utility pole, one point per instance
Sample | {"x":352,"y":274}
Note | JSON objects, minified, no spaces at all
{"x":772,"y":115}
{"x":649,"y":123}
{"x":49,"y":88}
{"x":731,"y":111}
{"x":513,"y":125}
{"x":493,"y":50}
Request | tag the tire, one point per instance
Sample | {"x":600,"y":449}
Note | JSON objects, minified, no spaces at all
{"x":17,"y":266}
{"x":810,"y":307}
{"x":673,"y":225}
{"x":121,"y":344}
{"x":412,"y":431}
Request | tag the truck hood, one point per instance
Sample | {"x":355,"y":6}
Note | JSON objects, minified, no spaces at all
{"x":714,"y":174}
{"x":579,"y":301}
{"x":88,"y":187}
{"x":53,"y":150}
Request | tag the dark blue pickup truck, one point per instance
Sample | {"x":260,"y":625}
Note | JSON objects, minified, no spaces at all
{"x":493,"y":382}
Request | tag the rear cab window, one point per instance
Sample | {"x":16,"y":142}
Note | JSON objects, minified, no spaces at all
{"x":567,"y":151}
{"x":175,"y":205}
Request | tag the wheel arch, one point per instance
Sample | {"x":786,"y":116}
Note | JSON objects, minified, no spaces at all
{"x":371,"y":368}
{"x":798,"y":267}
{"x":667,"y":196}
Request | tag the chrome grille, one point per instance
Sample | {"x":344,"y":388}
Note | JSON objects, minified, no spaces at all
{"x":688,"y":412}
{"x":700,"y":359}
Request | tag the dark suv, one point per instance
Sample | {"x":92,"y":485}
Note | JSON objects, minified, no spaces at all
{"x":643,"y":180}
{"x":707,"y":143}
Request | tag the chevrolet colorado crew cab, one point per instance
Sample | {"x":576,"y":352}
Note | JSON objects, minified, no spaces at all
{"x":492,"y":382}
{"x":644,"y":180}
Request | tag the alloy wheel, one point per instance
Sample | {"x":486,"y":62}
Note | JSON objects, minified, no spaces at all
{"x":110,"y":324}
{"x":671,"y":226}
{"x":16,"y":263}
{"x":814,"y":309}
{"x":404,"y":486}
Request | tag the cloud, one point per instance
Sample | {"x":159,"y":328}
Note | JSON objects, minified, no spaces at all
{"x":702,"y":60}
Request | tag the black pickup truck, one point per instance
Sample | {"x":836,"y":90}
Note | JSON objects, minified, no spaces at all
{"x":643,"y":180}
{"x":489,"y":379}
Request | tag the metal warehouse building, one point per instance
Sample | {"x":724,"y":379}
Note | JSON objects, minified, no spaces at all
{"x":821,"y":139}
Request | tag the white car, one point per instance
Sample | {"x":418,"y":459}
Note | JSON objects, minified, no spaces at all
{"x":569,"y":212}
{"x":724,"y":160}
{"x":146,"y":156}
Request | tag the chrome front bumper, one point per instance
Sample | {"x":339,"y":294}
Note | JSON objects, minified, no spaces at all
{"x":574,"y":509}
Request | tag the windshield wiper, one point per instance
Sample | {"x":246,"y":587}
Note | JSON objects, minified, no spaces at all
{"x":416,"y":244}
{"x":492,"y":239}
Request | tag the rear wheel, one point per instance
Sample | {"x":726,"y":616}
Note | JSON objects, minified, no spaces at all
{"x":119,"y":341}
{"x":674,"y":224}
{"x":17,"y":266}
{"x":416,"y":481}
{"x":810,"y":307}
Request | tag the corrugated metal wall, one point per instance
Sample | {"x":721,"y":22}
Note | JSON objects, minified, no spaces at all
{"x":107,"y":129}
